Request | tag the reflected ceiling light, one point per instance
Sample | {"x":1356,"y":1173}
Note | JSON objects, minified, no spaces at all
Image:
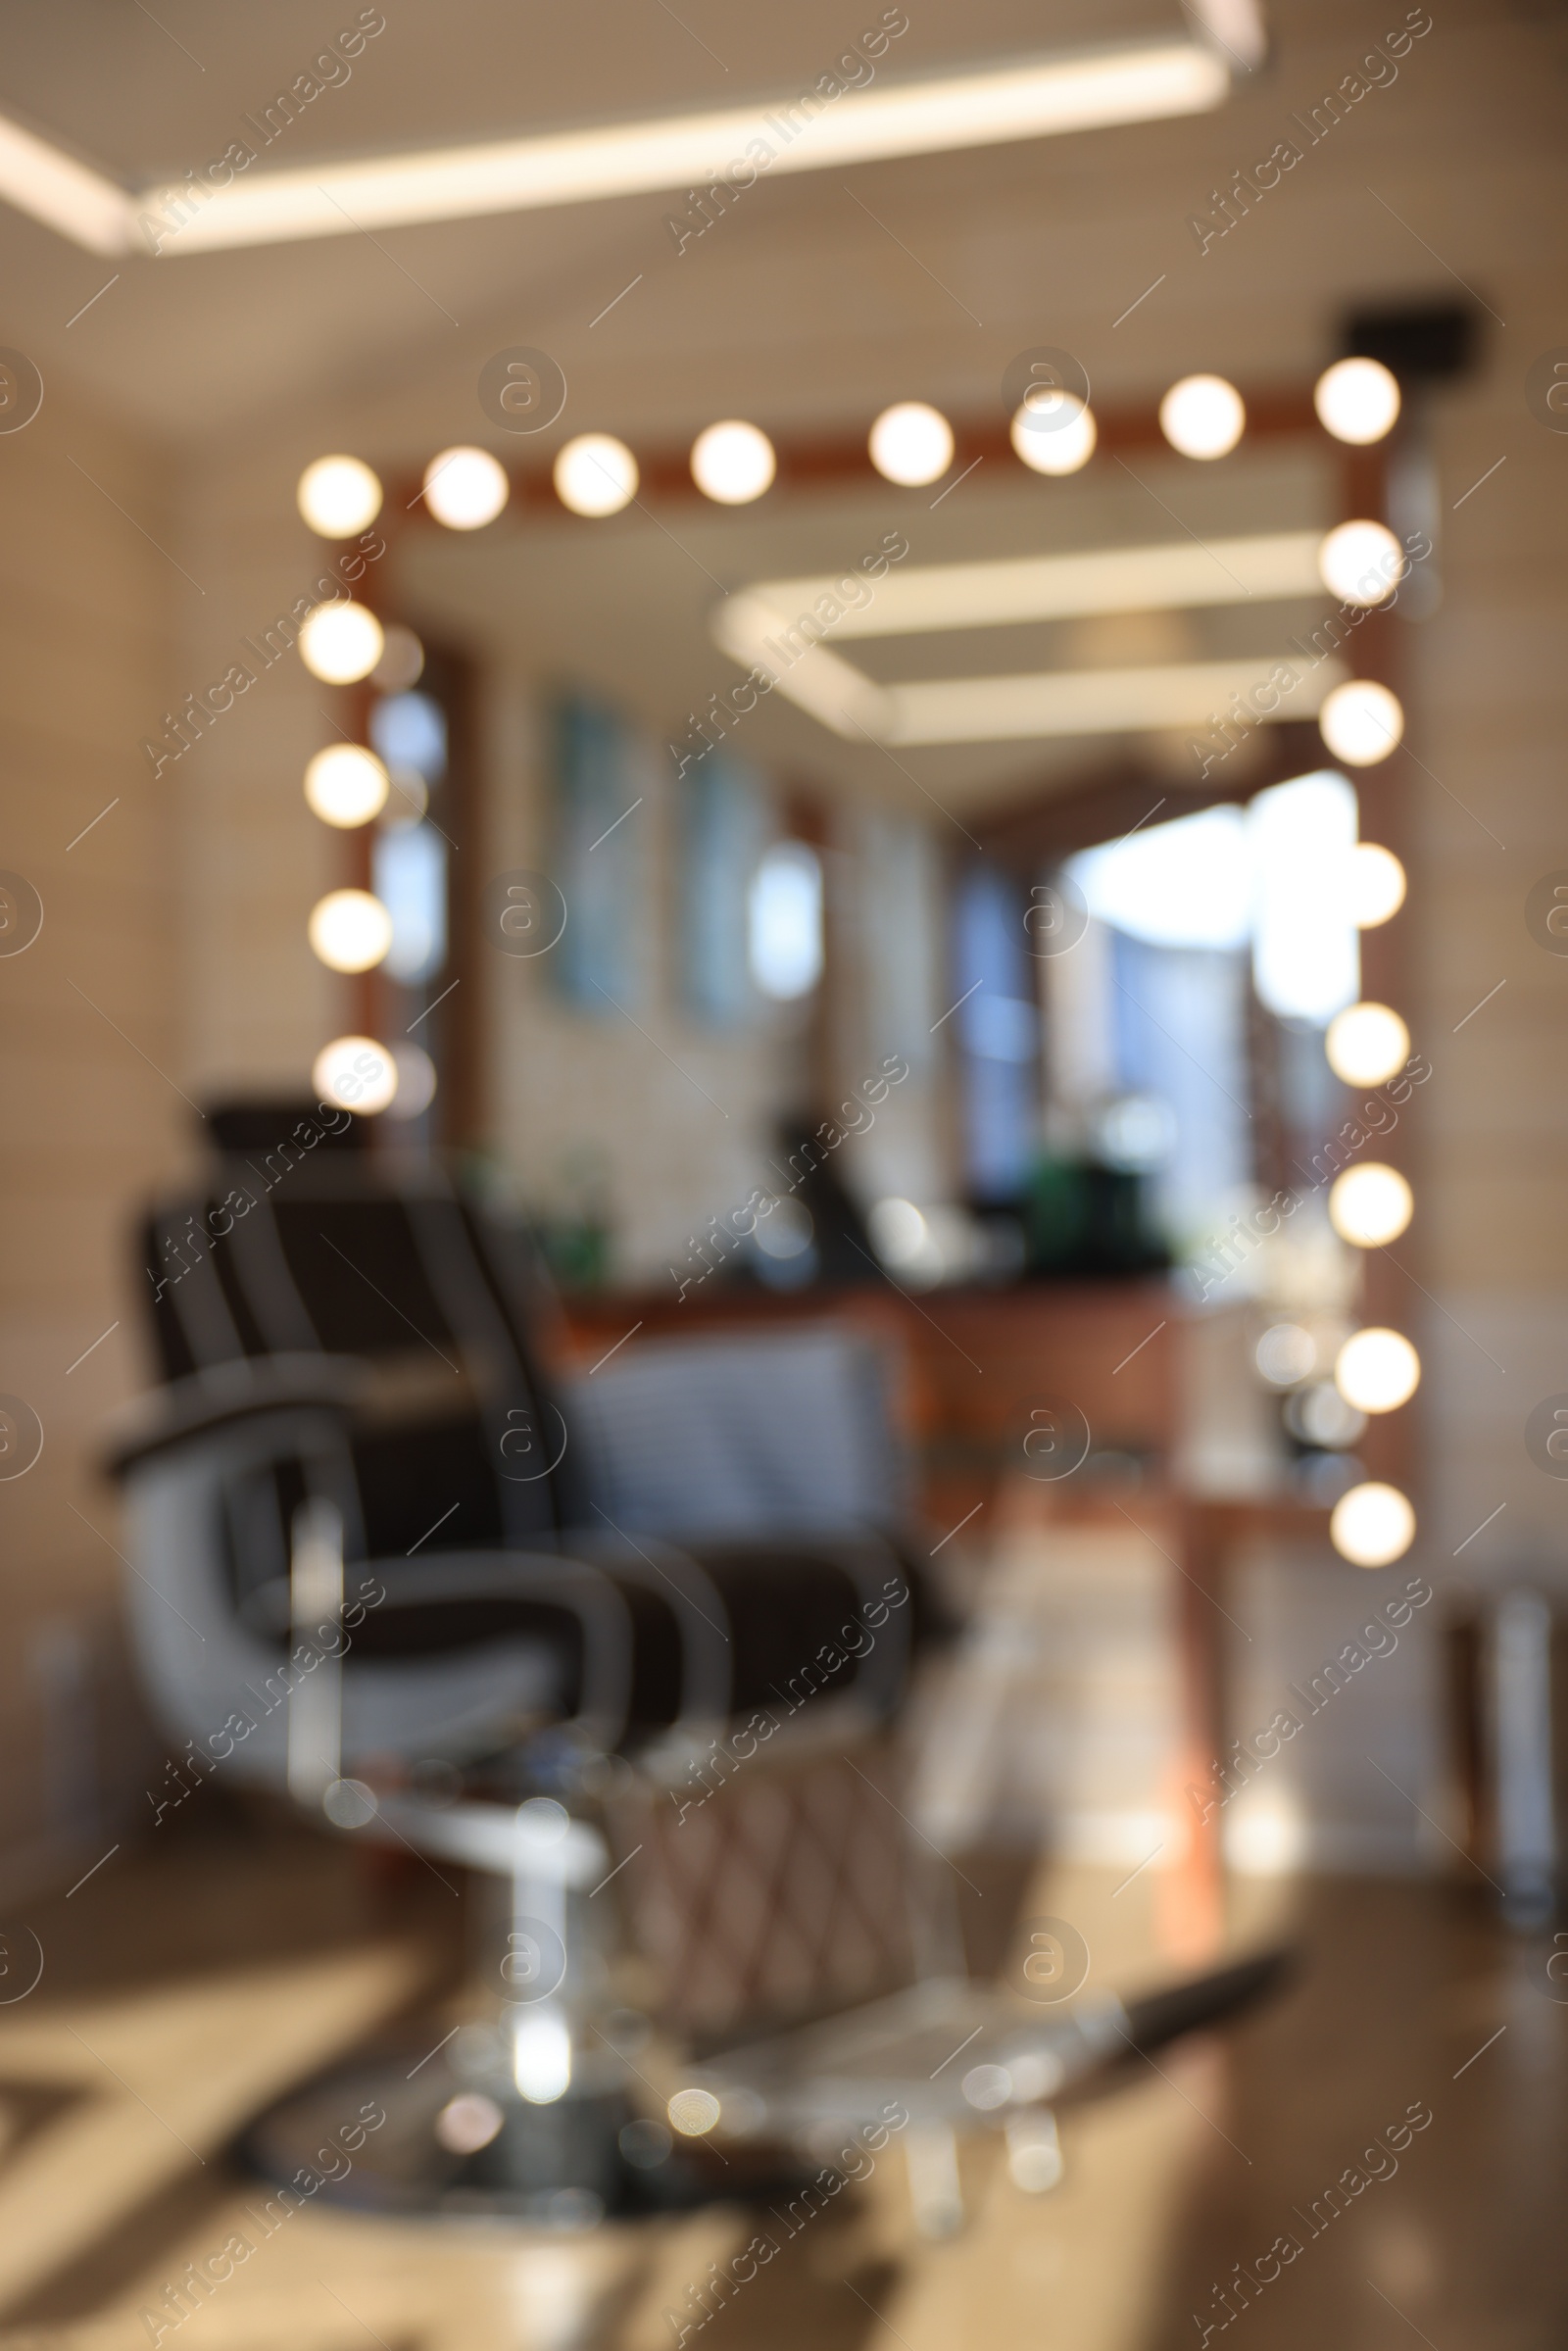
{"x":1377,"y":1371}
{"x":1286,"y":1354}
{"x":1366,"y":1043}
{"x":1361,"y":563}
{"x":1357,"y":400}
{"x":1060,"y":448}
{"x":340,"y":642}
{"x":693,"y":2112}
{"x":1376,"y":885}
{"x":1147,"y":79}
{"x":1170,"y":575}
{"x":1370,"y":1205}
{"x":350,"y":930}
{"x":415,"y":1076}
{"x":1203,"y":417}
{"x":465,"y":488}
{"x":1372,"y":1525}
{"x":595,"y":474}
{"x":1361,"y":722}
{"x":733,"y":463}
{"x":346,"y":785}
{"x":338,"y":496}
{"x":356,"y":1073}
{"x":911,"y":444}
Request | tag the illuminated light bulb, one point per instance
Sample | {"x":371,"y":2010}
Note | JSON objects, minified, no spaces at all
{"x":1376,"y":885}
{"x":340,"y":642}
{"x":350,"y":930}
{"x":1361,"y":563}
{"x":1377,"y":1371}
{"x":356,"y":1073}
{"x":1203,"y":417}
{"x":595,"y":474}
{"x":338,"y":496}
{"x":1357,"y":400}
{"x":346,"y":785}
{"x":1361,"y":722}
{"x":541,"y":2055}
{"x":1366,"y":1043}
{"x":1372,"y":1525}
{"x":1058,"y":450}
{"x":693,"y":2112}
{"x":1370,"y":1205}
{"x":465,"y":488}
{"x":733,"y":463}
{"x":911,"y":444}
{"x":416,"y":1072}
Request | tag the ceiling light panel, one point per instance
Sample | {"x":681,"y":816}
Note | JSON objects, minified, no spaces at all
{"x":1025,"y":98}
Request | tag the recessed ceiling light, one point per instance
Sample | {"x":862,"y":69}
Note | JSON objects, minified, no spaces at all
{"x":1137,"y":80}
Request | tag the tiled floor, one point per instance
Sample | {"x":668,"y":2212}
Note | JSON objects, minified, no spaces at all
{"x":182,"y":1984}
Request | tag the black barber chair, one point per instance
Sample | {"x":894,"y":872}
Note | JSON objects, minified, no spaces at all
{"x":380,"y":1565}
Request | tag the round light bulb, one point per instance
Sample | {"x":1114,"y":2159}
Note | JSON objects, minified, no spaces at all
{"x":1376,"y":885}
{"x":1357,"y":400}
{"x":350,"y":930}
{"x":1377,"y":1371}
{"x":1372,"y":1525}
{"x":1370,"y":1205}
{"x":340,"y":642}
{"x":1203,"y":417}
{"x":338,"y":496}
{"x":1361,"y":722}
{"x":733,"y":463}
{"x":465,"y":488}
{"x":1361,"y":563}
{"x":356,"y":1073}
{"x":911,"y":444}
{"x":1366,"y":1043}
{"x":595,"y":474}
{"x":1063,"y":450}
{"x":346,"y":784}
{"x":693,"y":2112}
{"x":416,"y":1075}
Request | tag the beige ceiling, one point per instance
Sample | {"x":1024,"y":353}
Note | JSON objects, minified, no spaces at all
{"x":822,"y":295}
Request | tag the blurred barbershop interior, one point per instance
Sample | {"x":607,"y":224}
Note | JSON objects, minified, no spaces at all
{"x":783,"y":1413}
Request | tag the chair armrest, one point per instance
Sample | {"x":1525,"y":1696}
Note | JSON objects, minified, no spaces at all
{"x":222,"y":1396}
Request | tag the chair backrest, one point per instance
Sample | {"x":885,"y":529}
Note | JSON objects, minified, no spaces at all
{"x":332,"y":1256}
{"x":780,"y":1430}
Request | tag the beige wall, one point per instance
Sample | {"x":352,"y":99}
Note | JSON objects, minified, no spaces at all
{"x":92,"y":1055}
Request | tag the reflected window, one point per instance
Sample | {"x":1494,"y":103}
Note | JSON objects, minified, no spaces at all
{"x":784,"y":922}
{"x":409,"y":730}
{"x":409,"y":876}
